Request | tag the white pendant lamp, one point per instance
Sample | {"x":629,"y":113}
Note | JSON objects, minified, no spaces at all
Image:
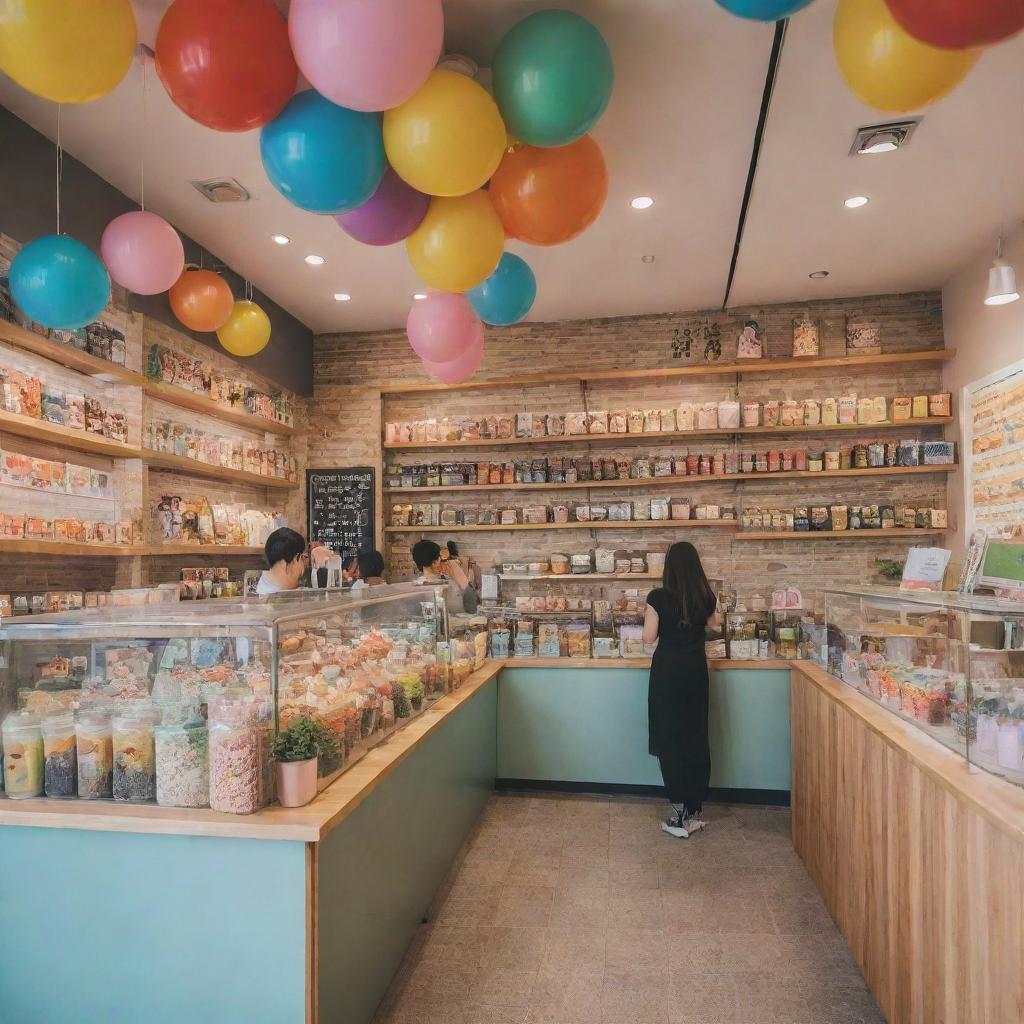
{"x":1002,"y":281}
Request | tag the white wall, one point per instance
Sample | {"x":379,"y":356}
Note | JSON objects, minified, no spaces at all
{"x":987,"y":338}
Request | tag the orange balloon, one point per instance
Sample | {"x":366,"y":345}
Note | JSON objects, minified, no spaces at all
{"x":547,"y":196}
{"x":201,"y":300}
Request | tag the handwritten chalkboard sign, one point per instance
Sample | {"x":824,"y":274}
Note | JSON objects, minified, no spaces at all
{"x":341,"y":508}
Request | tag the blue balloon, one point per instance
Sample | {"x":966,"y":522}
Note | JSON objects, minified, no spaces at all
{"x":507,"y":295}
{"x":322,"y":157}
{"x":59,"y":282}
{"x":763,"y":10}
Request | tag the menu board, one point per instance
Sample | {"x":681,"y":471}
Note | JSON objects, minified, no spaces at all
{"x":341,"y":508}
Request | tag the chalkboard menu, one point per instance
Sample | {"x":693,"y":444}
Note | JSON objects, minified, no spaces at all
{"x":341,"y":508}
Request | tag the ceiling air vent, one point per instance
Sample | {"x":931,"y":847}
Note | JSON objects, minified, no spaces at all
{"x":222,"y":190}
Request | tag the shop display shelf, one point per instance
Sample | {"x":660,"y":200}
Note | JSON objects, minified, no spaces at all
{"x":838,"y":534}
{"x":604,"y":524}
{"x":653,"y":482}
{"x":580,"y":577}
{"x":67,"y":356}
{"x":208,"y":407}
{"x":212,"y":550}
{"x":65,"y":437}
{"x":193,"y":467}
{"x":22,"y":546}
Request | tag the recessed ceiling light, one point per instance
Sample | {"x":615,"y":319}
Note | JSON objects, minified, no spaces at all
{"x":342,"y":297}
{"x":647,"y":259}
{"x":315,"y":261}
{"x":642,"y":202}
{"x":817,"y":275}
{"x":280,"y":239}
{"x":882,"y":138}
{"x":854,"y":201}
{"x":419,"y":296}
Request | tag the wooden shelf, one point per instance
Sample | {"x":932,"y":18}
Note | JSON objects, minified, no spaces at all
{"x":212,"y":550}
{"x":193,"y":467}
{"x":65,"y":437}
{"x":581,"y":577}
{"x":741,"y":368}
{"x":655,"y":437}
{"x":604,"y":524}
{"x":648,"y":483}
{"x":835,"y":534}
{"x":208,"y":407}
{"x":21,"y":546}
{"x":66,"y":355}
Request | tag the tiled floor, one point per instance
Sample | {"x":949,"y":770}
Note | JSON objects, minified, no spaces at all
{"x":579,"y":910}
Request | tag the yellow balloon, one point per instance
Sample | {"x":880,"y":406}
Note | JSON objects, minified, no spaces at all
{"x":458,"y":244}
{"x":448,"y":139}
{"x":67,"y":51}
{"x":887,"y":67}
{"x":247,"y":330}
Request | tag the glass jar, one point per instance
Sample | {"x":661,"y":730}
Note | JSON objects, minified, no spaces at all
{"x":95,"y":754}
{"x":132,"y":732}
{"x":23,"y":755}
{"x":58,"y":732}
{"x":236,"y":756}
{"x":182,"y":750}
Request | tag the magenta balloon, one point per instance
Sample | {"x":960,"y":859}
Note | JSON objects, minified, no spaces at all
{"x":392,"y":213}
{"x":459,"y":369}
{"x":366,"y":54}
{"x":442,"y":326}
{"x":142,"y":252}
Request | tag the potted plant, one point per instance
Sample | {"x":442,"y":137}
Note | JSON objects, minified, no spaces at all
{"x":296,"y":751}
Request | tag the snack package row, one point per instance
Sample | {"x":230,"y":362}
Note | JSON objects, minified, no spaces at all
{"x":18,"y":470}
{"x":835,"y":518}
{"x":25,"y":395}
{"x":174,"y":438}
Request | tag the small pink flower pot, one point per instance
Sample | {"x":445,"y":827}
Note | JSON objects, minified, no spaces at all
{"x":296,"y":782}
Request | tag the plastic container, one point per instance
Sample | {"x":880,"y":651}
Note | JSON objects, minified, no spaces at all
{"x":23,"y":755}
{"x":182,"y":749}
{"x":237,"y":749}
{"x":59,"y":746}
{"x":95,"y":754}
{"x":132,"y":732}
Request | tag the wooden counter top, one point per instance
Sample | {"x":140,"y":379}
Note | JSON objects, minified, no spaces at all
{"x":715,"y":664}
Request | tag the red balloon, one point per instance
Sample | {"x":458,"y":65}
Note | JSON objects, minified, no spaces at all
{"x":959,"y":24}
{"x":227,"y":63}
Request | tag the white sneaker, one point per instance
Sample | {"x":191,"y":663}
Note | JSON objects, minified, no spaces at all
{"x":675,"y":827}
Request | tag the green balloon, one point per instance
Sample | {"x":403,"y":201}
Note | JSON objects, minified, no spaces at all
{"x":552,"y":78}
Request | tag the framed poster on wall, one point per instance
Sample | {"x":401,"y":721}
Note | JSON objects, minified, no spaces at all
{"x":993,"y":449}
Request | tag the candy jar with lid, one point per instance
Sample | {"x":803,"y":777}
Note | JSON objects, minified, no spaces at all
{"x":23,"y":755}
{"x":58,"y":731}
{"x":182,"y":752}
{"x":95,"y":753}
{"x":132,"y":731}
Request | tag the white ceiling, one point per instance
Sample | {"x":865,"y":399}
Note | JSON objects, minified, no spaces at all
{"x":680,"y":128}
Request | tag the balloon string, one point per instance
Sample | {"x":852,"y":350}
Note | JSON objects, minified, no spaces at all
{"x":142,"y":135}
{"x":60,"y":165}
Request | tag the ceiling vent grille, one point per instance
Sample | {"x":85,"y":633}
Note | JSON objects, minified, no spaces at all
{"x":222,"y":190}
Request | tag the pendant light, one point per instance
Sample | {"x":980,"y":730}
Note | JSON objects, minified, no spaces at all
{"x":1002,"y":281}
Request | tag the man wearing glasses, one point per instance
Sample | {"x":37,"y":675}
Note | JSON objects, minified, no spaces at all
{"x":287,"y":559}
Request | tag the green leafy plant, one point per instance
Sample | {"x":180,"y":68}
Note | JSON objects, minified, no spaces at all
{"x":889,"y":568}
{"x":304,"y":738}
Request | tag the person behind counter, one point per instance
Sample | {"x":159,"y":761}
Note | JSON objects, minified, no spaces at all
{"x":285,"y":552}
{"x":677,"y":616}
{"x":370,"y":568}
{"x":433,"y":569}
{"x":349,"y":569}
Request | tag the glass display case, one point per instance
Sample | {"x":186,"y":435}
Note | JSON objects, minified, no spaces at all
{"x":748,"y":634}
{"x":952,"y":664}
{"x":179,"y":705}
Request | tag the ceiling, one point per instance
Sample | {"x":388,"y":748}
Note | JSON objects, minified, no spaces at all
{"x":680,"y":127}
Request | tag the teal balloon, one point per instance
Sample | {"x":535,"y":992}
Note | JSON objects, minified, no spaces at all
{"x":763,"y":10}
{"x":507,"y":295}
{"x":552,"y":77}
{"x":59,"y":282}
{"x":322,"y":157}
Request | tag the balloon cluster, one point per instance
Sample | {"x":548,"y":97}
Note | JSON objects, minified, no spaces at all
{"x":903,"y":55}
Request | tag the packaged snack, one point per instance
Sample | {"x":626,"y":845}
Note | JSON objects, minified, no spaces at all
{"x":668,"y":420}
{"x":865,"y":410}
{"x":829,"y":412}
{"x":503,"y":426}
{"x":684,"y":416}
{"x":879,"y":409}
{"x":575,"y":423}
{"x":938,"y":453}
{"x":751,"y":414}
{"x":680,"y":509}
{"x":805,"y":337}
{"x":788,"y":412}
{"x":840,"y":517}
{"x":847,"y":408}
{"x":707,"y":416}
{"x":770,"y":413}
{"x":919,"y":409}
{"x":901,"y":409}
{"x":940,"y":404}
{"x":524,"y":424}
{"x":53,"y":405}
{"x":597,"y":423}
{"x":538,"y":424}
{"x":909,"y":453}
{"x":728,"y":415}
{"x":618,"y":421}
{"x":862,"y":339}
{"x":659,"y":508}
{"x":635,"y":421}
{"x":652,"y":421}
{"x":812,"y":412}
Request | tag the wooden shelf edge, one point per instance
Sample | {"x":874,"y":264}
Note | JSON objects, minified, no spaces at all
{"x":193,"y":467}
{"x":213,"y":550}
{"x":20,"y":546}
{"x":836,"y":534}
{"x":580,"y":577}
{"x":603,"y":524}
{"x":67,"y":356}
{"x":54,"y":433}
{"x":208,"y":407}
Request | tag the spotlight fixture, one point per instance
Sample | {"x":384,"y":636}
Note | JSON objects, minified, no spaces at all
{"x":647,"y":259}
{"x":855,"y":201}
{"x":818,"y":275}
{"x":882,"y":138}
{"x":641,"y":203}
{"x":420,"y":296}
{"x":315,"y":261}
{"x":342,"y":297}
{"x":280,"y":239}
{"x":1002,"y":281}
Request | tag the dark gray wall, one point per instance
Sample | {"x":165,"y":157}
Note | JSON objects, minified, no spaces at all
{"x":88,"y":204}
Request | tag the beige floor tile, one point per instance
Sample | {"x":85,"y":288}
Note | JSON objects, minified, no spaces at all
{"x":637,"y":949}
{"x":566,"y":949}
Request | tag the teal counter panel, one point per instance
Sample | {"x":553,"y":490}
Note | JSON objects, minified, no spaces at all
{"x":380,"y":869}
{"x":116,"y":927}
{"x":590,"y":725}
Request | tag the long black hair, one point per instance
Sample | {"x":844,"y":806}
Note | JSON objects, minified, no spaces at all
{"x":685,"y":578}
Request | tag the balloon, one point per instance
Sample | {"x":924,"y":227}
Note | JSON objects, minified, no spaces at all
{"x":507,"y":295}
{"x":763,"y":10}
{"x":59,"y":282}
{"x":885,"y":67}
{"x":366,"y":54}
{"x":458,"y":244}
{"x":201,"y":300}
{"x":959,"y":24}
{"x":247,"y":330}
{"x":459,"y":369}
{"x":552,"y":78}
{"x":68,"y":52}
{"x":142,"y":252}
{"x":392,"y":213}
{"x":443,"y":326}
{"x":226,"y":63}
{"x":547,"y":196}
{"x":322,"y":157}
{"x":447,"y":139}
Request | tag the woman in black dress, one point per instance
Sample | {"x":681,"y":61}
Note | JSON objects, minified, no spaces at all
{"x":677,"y":702}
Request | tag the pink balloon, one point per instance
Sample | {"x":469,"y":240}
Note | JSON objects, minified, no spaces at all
{"x":443,"y":326}
{"x":142,"y":252}
{"x":459,"y":369}
{"x":366,"y":54}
